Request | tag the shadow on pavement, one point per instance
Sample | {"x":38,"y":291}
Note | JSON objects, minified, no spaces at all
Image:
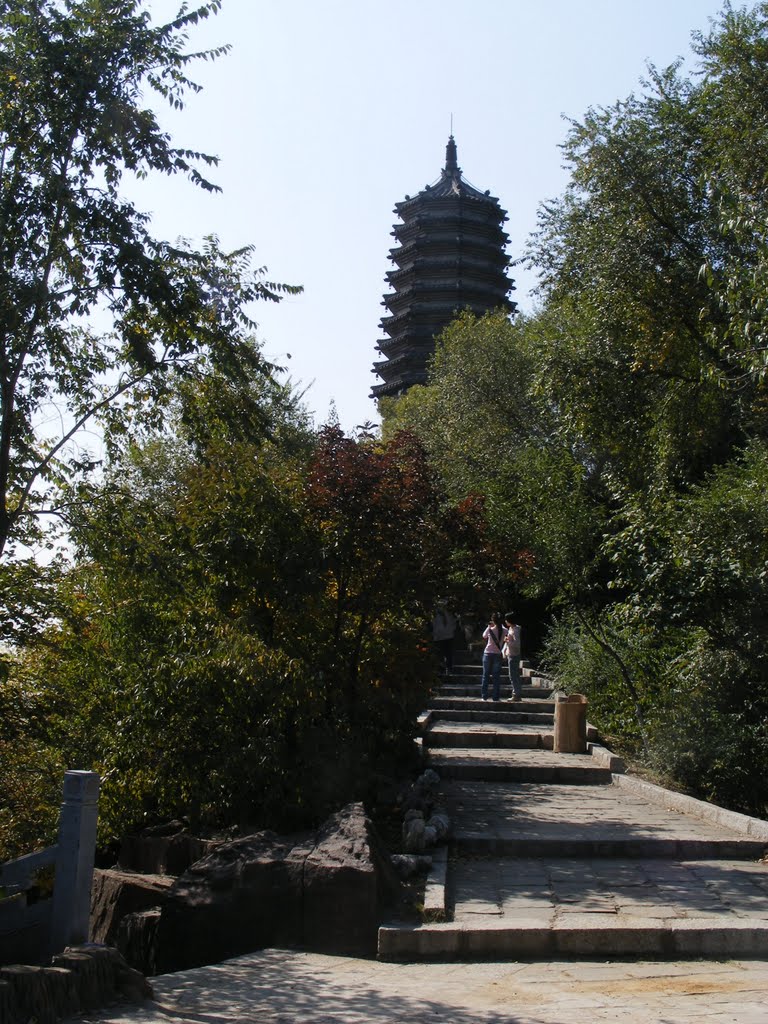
{"x":266,"y":990}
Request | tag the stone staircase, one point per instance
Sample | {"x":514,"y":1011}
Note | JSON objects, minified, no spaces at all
{"x":564,"y":855}
{"x":470,"y":739}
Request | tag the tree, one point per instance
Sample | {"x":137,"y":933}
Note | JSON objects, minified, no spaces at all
{"x":621,"y":255}
{"x":654,"y":261}
{"x":376,"y":506}
{"x":241,"y":639}
{"x":654,"y":271}
{"x":494,"y":436}
{"x":175,"y":666}
{"x":733,"y":59}
{"x":72,"y":249}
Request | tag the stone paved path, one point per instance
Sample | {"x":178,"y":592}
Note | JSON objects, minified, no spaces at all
{"x":276,"y":987}
{"x":516,"y":765}
{"x":486,"y":733}
{"x":559,"y":812}
{"x":439,"y":757}
{"x":619,"y":891}
{"x":544,"y":897}
{"x":554,"y":855}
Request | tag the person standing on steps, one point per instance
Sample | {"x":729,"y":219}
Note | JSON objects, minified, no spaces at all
{"x":443,"y":631}
{"x":512,"y":650}
{"x":494,"y":641}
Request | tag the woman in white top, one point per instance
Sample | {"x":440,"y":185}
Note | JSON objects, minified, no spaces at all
{"x":512,"y":652}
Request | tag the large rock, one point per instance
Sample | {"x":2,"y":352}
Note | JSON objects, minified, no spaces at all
{"x":244,"y":896}
{"x":115,"y":894}
{"x":81,"y":979}
{"x":163,"y":850}
{"x":323,"y":892}
{"x":137,"y":939}
{"x":348,"y":879}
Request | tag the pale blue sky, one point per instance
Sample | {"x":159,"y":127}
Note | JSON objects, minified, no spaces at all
{"x":327,"y":113}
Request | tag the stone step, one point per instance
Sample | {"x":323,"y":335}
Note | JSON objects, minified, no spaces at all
{"x":576,"y":936}
{"x":473,"y":690}
{"x":544,"y":721}
{"x":443,"y":702}
{"x":471,"y":682}
{"x":475,"y":678}
{"x":539,"y":766}
{"x":511,"y":844}
{"x":467,"y":670}
{"x":488,"y":735}
{"x":475,"y":657}
{"x":461,"y":659}
{"x":476,"y":669}
{"x":565,"y":906}
{"x":597,"y":817}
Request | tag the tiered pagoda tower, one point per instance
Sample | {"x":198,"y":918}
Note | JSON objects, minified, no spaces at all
{"x":450,"y":257}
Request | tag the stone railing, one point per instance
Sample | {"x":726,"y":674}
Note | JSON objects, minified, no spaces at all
{"x":35,"y":924}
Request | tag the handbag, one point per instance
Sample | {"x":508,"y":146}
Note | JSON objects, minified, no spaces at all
{"x":497,"y":642}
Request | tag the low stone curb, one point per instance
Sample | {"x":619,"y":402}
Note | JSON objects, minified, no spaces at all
{"x":605,"y":758}
{"x":757,"y":828}
{"x":435,"y":890}
{"x":682,"y":939}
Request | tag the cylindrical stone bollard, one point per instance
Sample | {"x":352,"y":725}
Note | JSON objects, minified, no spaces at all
{"x":571,"y":725}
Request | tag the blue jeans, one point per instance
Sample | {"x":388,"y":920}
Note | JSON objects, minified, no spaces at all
{"x":514,"y":675}
{"x":491,"y":670}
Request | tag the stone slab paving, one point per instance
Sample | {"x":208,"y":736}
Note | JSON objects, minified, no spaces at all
{"x":627,"y":890}
{"x":486,"y":734}
{"x":551,"y":820}
{"x":473,"y":702}
{"x":523,"y":757}
{"x":470,"y":689}
{"x":508,"y":713}
{"x":461,"y":728}
{"x":553,"y":811}
{"x":609,"y":893}
{"x":283,"y":987}
{"x":477,"y":764}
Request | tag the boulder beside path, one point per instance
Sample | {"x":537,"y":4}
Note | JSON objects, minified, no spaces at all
{"x":322,"y":891}
{"x":117,"y":894}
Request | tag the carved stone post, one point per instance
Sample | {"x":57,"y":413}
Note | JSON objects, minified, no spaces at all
{"x":74,"y":860}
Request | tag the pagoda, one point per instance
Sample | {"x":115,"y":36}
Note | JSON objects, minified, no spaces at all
{"x":450,"y":257}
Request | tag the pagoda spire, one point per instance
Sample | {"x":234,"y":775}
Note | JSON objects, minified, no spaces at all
{"x":451,"y":159}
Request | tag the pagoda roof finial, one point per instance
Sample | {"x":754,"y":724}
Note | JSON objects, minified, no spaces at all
{"x":451,"y":158}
